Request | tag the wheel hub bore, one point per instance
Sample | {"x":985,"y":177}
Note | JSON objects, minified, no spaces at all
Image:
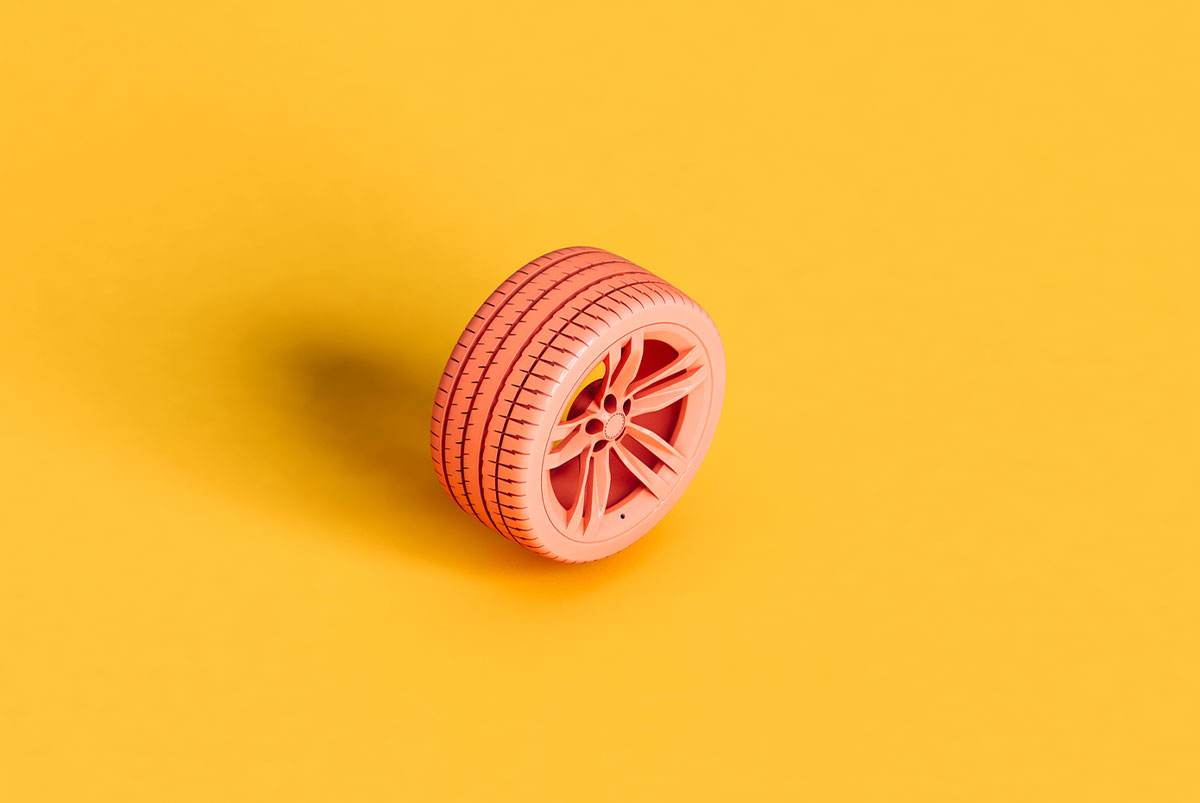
{"x":614,"y":426}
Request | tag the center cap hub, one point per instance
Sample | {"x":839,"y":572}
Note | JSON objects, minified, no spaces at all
{"x":614,"y":426}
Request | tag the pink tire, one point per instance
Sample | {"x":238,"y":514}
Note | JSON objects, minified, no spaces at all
{"x":578,"y":404}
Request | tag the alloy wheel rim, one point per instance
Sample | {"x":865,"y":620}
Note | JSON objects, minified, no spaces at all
{"x":626,"y":437}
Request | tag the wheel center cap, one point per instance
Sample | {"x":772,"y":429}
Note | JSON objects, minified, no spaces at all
{"x":614,"y":426}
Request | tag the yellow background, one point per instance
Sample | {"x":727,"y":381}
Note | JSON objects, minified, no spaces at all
{"x":944,"y":547}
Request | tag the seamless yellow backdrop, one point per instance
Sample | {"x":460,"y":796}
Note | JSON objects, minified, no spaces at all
{"x":944,"y":547}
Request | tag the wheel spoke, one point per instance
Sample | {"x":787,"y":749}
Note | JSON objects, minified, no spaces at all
{"x":563,"y":429}
{"x":622,"y":371}
{"x":656,"y":397}
{"x":575,"y":514}
{"x":653,"y":483}
{"x":571,"y":446}
{"x":598,"y":497}
{"x":664,"y":451}
{"x":682,"y":362}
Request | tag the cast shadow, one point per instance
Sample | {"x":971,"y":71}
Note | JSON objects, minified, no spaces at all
{"x":371,"y":412}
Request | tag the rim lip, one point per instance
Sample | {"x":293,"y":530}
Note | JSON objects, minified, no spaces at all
{"x":696,"y":424}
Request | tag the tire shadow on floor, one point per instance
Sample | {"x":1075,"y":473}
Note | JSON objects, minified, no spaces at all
{"x":370,"y":411}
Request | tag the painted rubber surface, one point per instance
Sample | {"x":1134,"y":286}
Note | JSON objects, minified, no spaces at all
{"x":578,"y":404}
